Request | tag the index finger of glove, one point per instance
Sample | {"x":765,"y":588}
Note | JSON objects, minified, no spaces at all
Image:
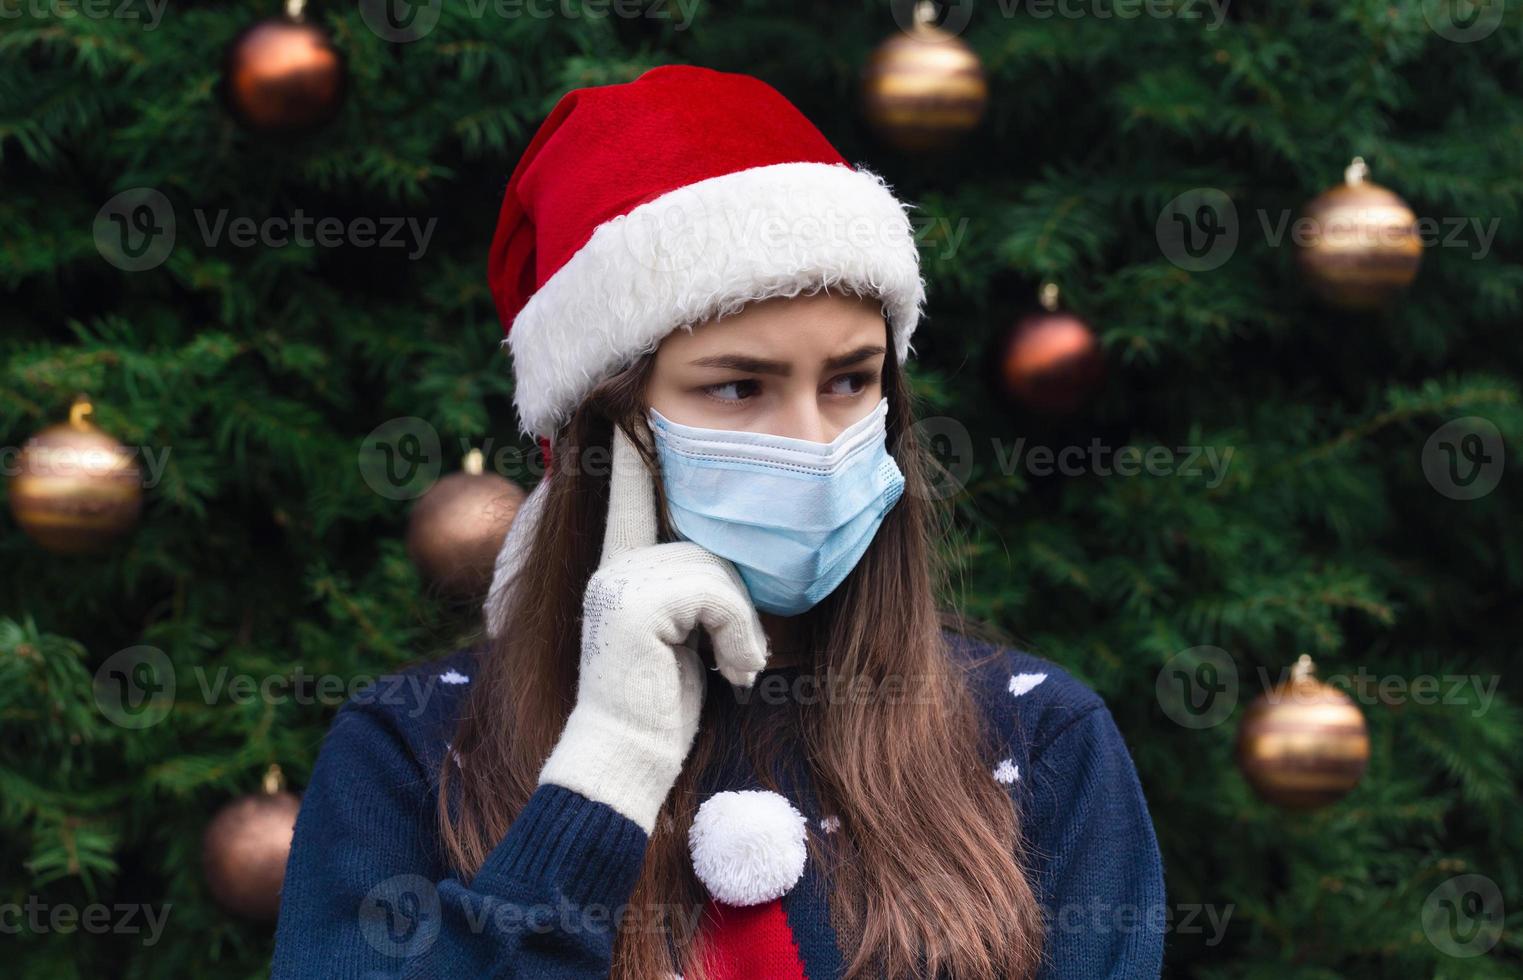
{"x":631,"y":501}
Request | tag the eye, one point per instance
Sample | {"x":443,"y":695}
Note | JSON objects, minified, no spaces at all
{"x":859,"y":379}
{"x":731,"y":391}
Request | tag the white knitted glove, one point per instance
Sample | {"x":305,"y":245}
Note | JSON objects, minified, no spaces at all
{"x":640,"y":686}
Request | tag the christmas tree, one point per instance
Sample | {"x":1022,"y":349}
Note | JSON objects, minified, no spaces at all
{"x":259,"y":312}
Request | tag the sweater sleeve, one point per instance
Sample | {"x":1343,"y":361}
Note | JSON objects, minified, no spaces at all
{"x":1100,"y":874}
{"x":367,"y":894}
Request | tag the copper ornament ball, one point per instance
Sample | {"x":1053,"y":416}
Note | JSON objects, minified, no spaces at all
{"x":75,"y":488}
{"x":923,"y":89}
{"x":1357,"y":244}
{"x":457,"y":528}
{"x":284,"y":77}
{"x":1051,"y":362}
{"x":1304,"y":744}
{"x":244,"y":851}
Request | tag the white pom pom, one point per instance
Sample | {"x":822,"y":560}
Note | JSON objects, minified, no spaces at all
{"x":748,"y":846}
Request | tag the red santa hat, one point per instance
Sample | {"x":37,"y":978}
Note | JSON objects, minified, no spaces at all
{"x":654,"y":205}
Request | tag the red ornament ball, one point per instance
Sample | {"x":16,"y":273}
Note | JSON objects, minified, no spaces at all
{"x":1052,"y":362}
{"x":284,"y":77}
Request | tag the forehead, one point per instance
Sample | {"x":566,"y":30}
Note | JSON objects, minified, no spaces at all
{"x":788,"y":328}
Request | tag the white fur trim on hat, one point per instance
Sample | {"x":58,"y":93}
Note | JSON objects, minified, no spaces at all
{"x":706,"y":250}
{"x":748,"y":846}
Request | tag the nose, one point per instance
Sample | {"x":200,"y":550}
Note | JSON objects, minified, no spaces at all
{"x":801,"y":418}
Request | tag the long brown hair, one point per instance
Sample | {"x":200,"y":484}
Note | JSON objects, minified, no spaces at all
{"x":932,"y":877}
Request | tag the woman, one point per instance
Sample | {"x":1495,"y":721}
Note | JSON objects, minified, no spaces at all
{"x":709,"y":313}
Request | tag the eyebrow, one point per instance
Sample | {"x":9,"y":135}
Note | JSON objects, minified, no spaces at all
{"x":759,"y":365}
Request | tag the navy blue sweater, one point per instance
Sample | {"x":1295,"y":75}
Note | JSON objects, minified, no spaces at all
{"x":368,"y":893}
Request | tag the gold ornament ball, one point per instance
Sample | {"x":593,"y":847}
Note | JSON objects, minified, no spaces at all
{"x":244,"y":851}
{"x":75,"y":488}
{"x":1304,"y":744}
{"x":283,"y":77}
{"x":923,"y":89}
{"x":457,"y":528}
{"x":1357,"y":244}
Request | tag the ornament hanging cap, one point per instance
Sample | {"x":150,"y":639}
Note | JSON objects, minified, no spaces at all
{"x":79,"y":410}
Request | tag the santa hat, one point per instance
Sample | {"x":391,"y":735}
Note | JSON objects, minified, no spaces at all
{"x":653,"y":205}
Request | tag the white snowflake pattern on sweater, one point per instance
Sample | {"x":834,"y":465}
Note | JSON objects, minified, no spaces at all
{"x":1021,"y":683}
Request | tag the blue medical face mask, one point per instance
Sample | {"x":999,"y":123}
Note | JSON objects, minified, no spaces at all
{"x":793,"y":516}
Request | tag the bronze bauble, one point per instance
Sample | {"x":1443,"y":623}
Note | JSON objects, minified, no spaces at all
{"x":923,"y":89}
{"x":245,"y":847}
{"x":1357,"y":244}
{"x":75,"y":488}
{"x":1303,"y":744}
{"x":457,"y":528}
